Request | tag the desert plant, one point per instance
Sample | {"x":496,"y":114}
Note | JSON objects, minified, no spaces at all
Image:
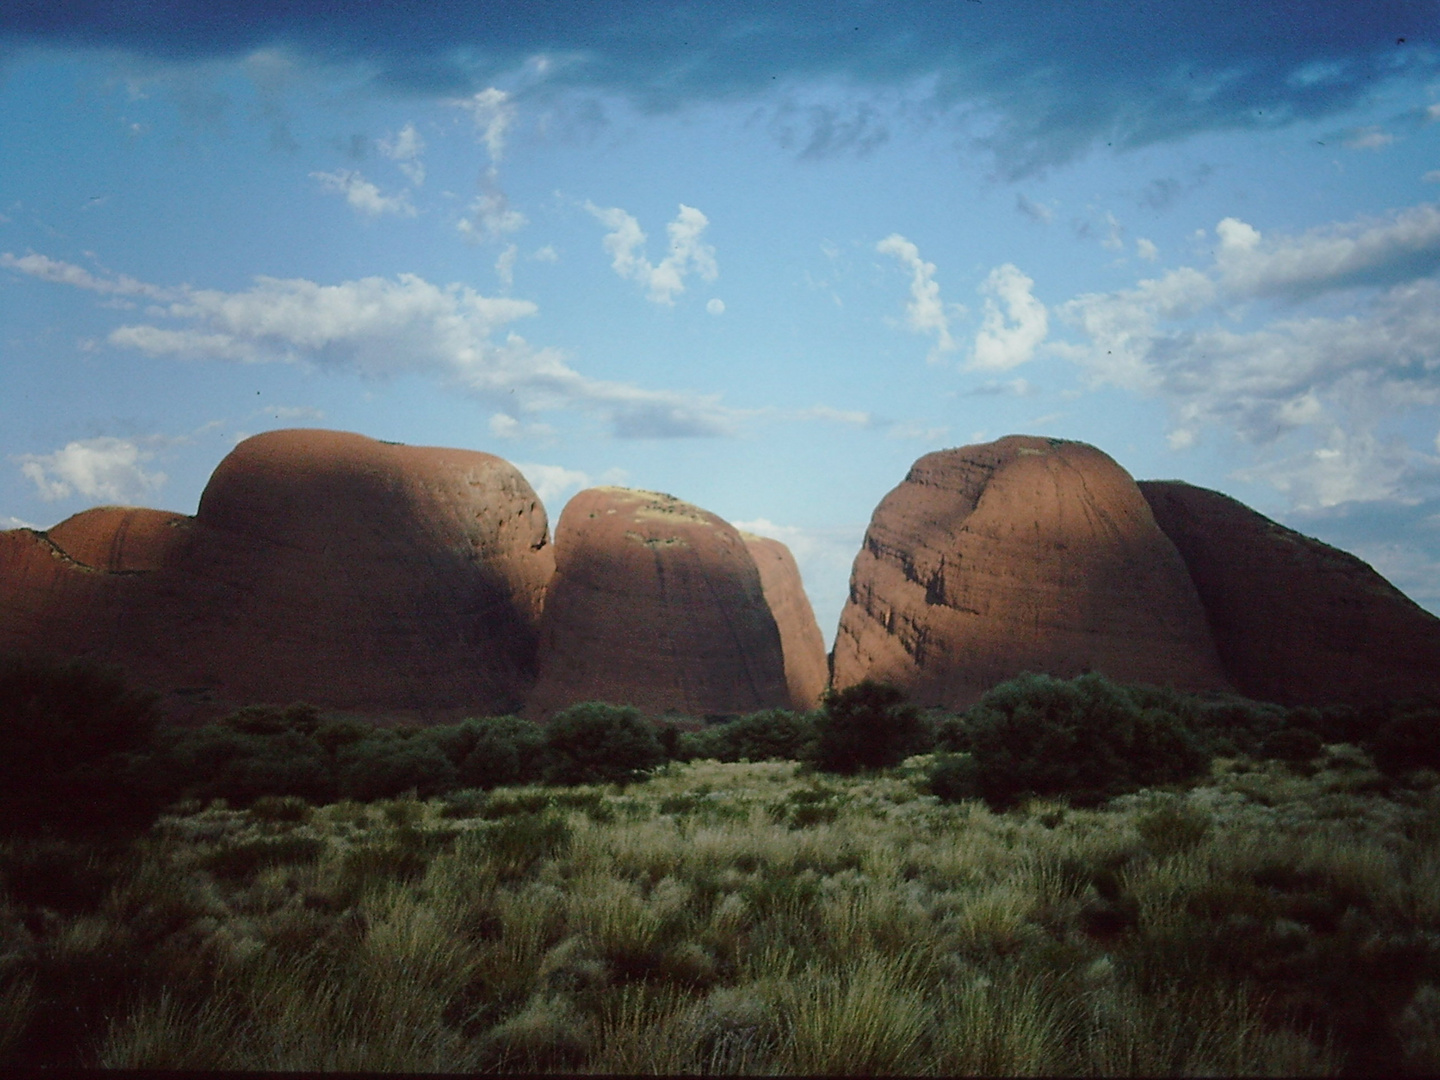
{"x":500,"y":750}
{"x":74,"y":740}
{"x":594,"y":743}
{"x":867,"y":726}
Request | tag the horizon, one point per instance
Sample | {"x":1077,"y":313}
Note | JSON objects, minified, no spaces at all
{"x":757,"y":257}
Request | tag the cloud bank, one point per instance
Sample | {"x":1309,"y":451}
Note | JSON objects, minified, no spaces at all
{"x":1053,"y":77}
{"x":379,"y":327}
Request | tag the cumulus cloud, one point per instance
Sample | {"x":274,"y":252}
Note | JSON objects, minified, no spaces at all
{"x":688,"y":253}
{"x":105,"y":469}
{"x":925,"y":313}
{"x":8,"y":521}
{"x":405,"y":149}
{"x":1370,"y":138}
{"x":490,"y":216}
{"x":505,"y":265}
{"x":715,"y":306}
{"x":493,"y":113}
{"x":1308,"y":389}
{"x":551,"y":482}
{"x":380,"y":327}
{"x":1146,"y":249}
{"x":63,"y":273}
{"x":1010,"y":337}
{"x":364,"y":196}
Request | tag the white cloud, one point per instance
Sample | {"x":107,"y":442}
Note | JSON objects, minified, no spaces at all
{"x":63,"y":273}
{"x":910,"y":429}
{"x":405,"y":149}
{"x":364,"y":196}
{"x":552,"y":481}
{"x":1146,"y":249}
{"x":7,"y":521}
{"x":380,"y":327}
{"x":1358,"y":253}
{"x":546,"y":254}
{"x":852,"y":417}
{"x":1369,"y":138}
{"x":505,"y":426}
{"x":1308,"y":391}
{"x":925,"y":313}
{"x":1432,"y":112}
{"x":491,"y":216}
{"x":688,"y":254}
{"x":505,"y":266}
{"x":103,"y":468}
{"x":493,"y":113}
{"x":1114,"y":234}
{"x":1037,"y":212}
{"x":1009,"y":338}
{"x":1432,"y":177}
{"x":715,"y":306}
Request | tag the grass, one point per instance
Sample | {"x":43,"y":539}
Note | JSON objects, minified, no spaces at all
{"x":747,"y":918}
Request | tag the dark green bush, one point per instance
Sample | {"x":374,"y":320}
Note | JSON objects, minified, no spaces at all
{"x":954,"y":778}
{"x":500,"y":751}
{"x":386,"y":765}
{"x":220,"y":762}
{"x":867,"y":726}
{"x":594,"y":743}
{"x":73,"y":739}
{"x":1408,"y":739}
{"x":1087,"y":739}
{"x":772,"y":735}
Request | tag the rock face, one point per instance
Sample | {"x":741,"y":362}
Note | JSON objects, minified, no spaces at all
{"x":1025,"y":554}
{"x":658,"y":604}
{"x":1295,"y":620}
{"x":321,"y":566}
{"x":807,"y":669}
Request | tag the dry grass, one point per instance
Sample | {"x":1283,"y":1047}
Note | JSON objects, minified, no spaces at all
{"x":714,"y":920}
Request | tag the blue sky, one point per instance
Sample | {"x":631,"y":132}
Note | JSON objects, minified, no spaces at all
{"x":758,"y":256}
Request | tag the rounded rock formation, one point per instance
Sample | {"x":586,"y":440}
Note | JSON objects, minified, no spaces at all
{"x":1296,"y":621}
{"x":807,"y":668}
{"x":321,"y":566}
{"x":658,"y":604}
{"x":1025,"y":554}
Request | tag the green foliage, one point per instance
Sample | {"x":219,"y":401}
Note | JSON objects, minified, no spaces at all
{"x":245,"y":859}
{"x":500,"y":751}
{"x":387,"y":765}
{"x":867,"y":726}
{"x":1410,"y":739}
{"x":772,"y":735}
{"x":953,"y":778}
{"x":594,"y":743}
{"x":1086,"y":738}
{"x":72,"y":740}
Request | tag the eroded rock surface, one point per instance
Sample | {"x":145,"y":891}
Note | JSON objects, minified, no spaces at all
{"x":1025,"y":554}
{"x":658,"y":604}
{"x":1295,"y":620}
{"x":321,"y":566}
{"x":807,"y":668}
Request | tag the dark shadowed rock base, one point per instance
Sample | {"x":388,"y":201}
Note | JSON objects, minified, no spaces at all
{"x":1295,"y":620}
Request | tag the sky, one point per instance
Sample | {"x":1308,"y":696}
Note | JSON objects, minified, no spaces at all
{"x":760,"y":256}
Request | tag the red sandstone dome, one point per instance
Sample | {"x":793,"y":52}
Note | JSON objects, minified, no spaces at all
{"x":1025,"y":554}
{"x":1295,"y":620}
{"x":321,"y":566}
{"x":657,"y":604}
{"x":807,"y":669}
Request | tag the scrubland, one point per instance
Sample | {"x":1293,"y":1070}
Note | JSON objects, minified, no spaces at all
{"x":1266,"y":917}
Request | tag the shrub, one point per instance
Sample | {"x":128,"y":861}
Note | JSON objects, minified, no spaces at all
{"x":867,"y":726}
{"x":219,"y":761}
{"x":1408,"y":740}
{"x":594,"y":743}
{"x":73,"y":739}
{"x":954,"y":778}
{"x":1086,"y":738}
{"x":501,"y":751}
{"x":387,"y":765}
{"x":776,"y":734}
